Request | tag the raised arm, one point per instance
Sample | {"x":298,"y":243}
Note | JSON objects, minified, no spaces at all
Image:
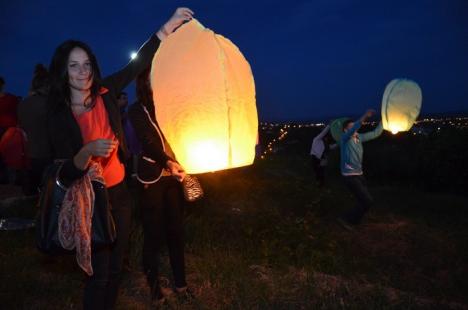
{"x":349,"y":133}
{"x":372,"y":134}
{"x":323,"y":133}
{"x":119,"y":80}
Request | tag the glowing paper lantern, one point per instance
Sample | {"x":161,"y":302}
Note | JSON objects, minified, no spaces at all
{"x":204,"y":96}
{"x":336,"y":128}
{"x":401,"y":104}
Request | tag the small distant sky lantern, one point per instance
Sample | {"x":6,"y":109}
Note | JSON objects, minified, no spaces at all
{"x":204,"y":95}
{"x":401,"y":104}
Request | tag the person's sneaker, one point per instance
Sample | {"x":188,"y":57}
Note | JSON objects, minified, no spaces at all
{"x":345,"y":224}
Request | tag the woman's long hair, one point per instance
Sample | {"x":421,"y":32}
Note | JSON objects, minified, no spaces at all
{"x":144,"y":93}
{"x":59,"y":93}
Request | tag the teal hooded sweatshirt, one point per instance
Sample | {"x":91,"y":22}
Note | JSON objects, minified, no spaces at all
{"x":352,"y":150}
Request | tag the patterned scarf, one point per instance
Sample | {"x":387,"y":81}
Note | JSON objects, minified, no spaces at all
{"x":75,"y":218}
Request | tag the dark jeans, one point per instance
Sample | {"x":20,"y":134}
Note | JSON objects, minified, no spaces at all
{"x":357,"y":186}
{"x":162,"y":211}
{"x":101,"y":289}
{"x":319,"y":171}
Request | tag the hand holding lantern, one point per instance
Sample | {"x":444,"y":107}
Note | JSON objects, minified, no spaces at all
{"x":177,"y":19}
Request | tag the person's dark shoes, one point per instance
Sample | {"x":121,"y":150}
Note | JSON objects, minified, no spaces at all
{"x":159,"y":293}
{"x":157,"y":296}
{"x":345,"y":224}
{"x":184,"y":294}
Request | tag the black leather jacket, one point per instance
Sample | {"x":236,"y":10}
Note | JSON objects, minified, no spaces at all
{"x":155,"y":150}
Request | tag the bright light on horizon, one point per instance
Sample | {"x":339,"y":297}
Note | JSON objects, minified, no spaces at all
{"x":133,"y":55}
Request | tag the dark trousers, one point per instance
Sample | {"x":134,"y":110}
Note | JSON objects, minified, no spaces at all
{"x":162,"y":211}
{"x":34,"y":175}
{"x":357,"y":185}
{"x":319,"y":171}
{"x":101,"y":289}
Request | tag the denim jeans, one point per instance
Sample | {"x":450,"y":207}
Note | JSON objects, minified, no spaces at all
{"x":101,"y":289}
{"x":357,"y":185}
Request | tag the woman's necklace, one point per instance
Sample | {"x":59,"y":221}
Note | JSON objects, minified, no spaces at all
{"x":79,"y":108}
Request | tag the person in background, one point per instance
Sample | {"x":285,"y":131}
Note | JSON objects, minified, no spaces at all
{"x":351,"y":168}
{"x":85,"y":130}
{"x":122,"y":102}
{"x":161,"y":199}
{"x":32,"y":113}
{"x":134,"y":147}
{"x":8,"y":119}
{"x":319,"y":151}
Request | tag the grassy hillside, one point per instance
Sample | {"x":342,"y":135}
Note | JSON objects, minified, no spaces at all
{"x":265,"y":237}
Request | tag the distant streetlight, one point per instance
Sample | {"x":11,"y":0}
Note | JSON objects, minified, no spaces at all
{"x":133,"y":55}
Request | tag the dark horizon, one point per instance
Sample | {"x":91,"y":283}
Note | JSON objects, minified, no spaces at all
{"x":356,"y":116}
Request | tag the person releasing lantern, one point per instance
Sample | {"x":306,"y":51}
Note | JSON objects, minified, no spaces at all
{"x":401,"y":104}
{"x":161,"y":201}
{"x":204,"y":96}
{"x":84,"y":128}
{"x":351,"y":149}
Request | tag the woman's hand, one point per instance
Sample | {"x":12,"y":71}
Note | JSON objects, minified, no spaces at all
{"x":179,"y":16}
{"x":176,"y":170}
{"x":369,"y":113}
{"x":97,"y":148}
{"x":100,"y":147}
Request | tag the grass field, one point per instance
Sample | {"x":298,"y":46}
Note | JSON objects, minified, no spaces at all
{"x":265,"y":237}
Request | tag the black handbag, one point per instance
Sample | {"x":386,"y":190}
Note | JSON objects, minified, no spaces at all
{"x":52,"y":193}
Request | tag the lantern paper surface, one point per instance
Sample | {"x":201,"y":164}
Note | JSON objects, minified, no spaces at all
{"x":401,"y":104}
{"x":336,"y":128}
{"x":204,"y":95}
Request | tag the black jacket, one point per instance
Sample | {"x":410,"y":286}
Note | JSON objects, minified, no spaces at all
{"x":155,"y":152}
{"x":32,"y":113}
{"x":63,"y":130}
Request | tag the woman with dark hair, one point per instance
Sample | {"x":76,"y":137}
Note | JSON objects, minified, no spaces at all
{"x":32,"y":112}
{"x":162,"y":202}
{"x":84,"y":128}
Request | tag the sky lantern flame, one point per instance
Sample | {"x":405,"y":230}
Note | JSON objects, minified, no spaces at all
{"x":401,"y":104}
{"x":204,"y":95}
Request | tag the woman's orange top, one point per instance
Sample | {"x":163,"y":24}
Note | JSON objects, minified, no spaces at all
{"x":94,"y":124}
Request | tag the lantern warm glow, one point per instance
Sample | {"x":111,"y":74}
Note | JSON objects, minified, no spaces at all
{"x":204,"y":96}
{"x":401,"y":104}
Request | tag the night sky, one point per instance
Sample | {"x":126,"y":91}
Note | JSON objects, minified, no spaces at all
{"x":310,"y":59}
